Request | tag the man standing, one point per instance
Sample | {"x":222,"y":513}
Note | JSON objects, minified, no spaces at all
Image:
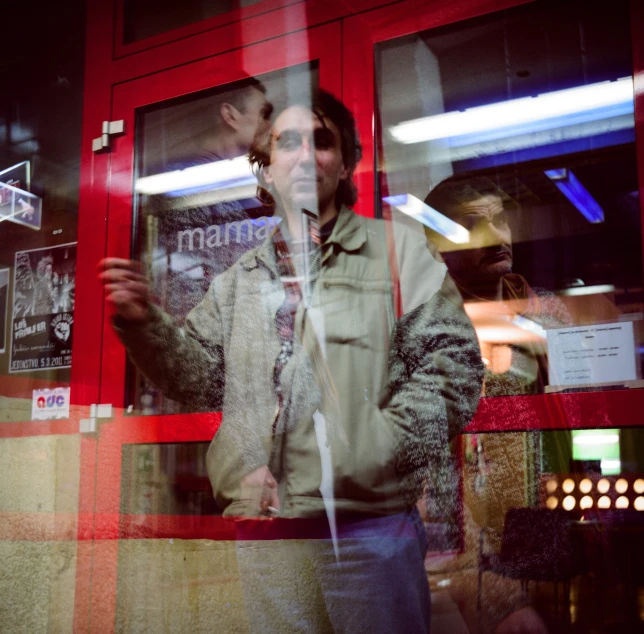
{"x":338,"y":400}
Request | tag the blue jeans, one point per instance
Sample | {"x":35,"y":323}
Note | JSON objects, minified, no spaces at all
{"x":378,"y":584}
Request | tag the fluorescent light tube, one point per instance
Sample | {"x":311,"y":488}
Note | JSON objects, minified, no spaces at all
{"x":529,"y":326}
{"x":588,"y":290}
{"x":569,"y":185}
{"x":576,"y":105}
{"x":433,"y":219}
{"x":460,"y":152}
{"x":217,"y":175}
{"x":597,"y":439}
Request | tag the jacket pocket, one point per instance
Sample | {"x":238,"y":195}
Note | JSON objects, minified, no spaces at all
{"x":358,"y":313}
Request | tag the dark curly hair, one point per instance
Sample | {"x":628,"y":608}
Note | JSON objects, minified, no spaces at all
{"x":325,"y":106}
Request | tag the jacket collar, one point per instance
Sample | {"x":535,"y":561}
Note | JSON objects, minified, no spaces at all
{"x":349,"y":233}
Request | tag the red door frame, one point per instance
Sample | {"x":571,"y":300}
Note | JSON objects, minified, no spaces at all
{"x":110,"y":67}
{"x":231,"y":17}
{"x":105,"y":526}
{"x":288,"y":50}
{"x":259,"y":23}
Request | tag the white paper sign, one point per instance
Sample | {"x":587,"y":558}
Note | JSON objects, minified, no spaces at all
{"x":47,"y":404}
{"x":587,"y":355}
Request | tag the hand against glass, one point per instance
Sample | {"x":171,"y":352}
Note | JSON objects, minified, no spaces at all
{"x":127,"y":290}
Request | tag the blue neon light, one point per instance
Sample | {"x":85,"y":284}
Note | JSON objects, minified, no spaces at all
{"x":569,"y":185}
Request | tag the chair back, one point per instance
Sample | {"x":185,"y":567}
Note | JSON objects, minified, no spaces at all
{"x":537,"y":544}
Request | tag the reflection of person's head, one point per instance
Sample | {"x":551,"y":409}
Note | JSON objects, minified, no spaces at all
{"x":242,"y":113}
{"x":481,"y":207}
{"x":225,"y":125}
{"x":311,"y":155}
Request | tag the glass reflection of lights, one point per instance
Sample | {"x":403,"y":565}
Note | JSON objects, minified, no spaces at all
{"x":526,"y":115}
{"x":585,"y":486}
{"x":568,"y":485}
{"x":586,"y":502}
{"x":603,"y":502}
{"x":216,"y":175}
{"x":551,"y":486}
{"x":430,"y":217}
{"x":621,"y":502}
{"x":638,"y":485}
{"x":569,"y":503}
{"x":603,"y":485}
{"x":621,"y":486}
{"x":610,"y":467}
{"x":568,"y":184}
{"x":596,"y":439}
{"x":639,"y":503}
{"x":553,"y":502}
{"x":588,"y":290}
{"x":530,"y":326}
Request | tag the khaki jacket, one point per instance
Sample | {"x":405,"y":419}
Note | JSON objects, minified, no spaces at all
{"x":402,"y":387}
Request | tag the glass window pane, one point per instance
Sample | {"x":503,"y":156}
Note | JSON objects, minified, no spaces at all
{"x":511,"y":137}
{"x":193,"y":222}
{"x":166,"y":479}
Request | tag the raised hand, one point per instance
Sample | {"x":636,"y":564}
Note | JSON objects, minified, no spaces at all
{"x":127,"y":289}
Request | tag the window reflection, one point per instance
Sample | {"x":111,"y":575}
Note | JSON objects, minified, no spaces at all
{"x":511,"y":138}
{"x":196,"y":195}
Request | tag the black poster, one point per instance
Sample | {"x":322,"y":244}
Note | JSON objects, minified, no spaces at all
{"x":43,"y":308}
{"x":4,"y":300}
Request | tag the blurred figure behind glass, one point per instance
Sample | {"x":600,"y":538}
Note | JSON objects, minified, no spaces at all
{"x":335,"y":413}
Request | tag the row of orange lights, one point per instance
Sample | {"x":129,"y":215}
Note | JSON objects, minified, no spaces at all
{"x":604,"y":502}
{"x":602,"y":487}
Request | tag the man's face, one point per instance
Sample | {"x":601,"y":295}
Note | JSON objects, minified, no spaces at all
{"x":306,"y":164}
{"x":489,"y":254}
{"x":253,"y":122}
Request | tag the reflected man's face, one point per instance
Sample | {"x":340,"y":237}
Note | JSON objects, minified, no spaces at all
{"x":489,"y":254}
{"x":255,"y":119}
{"x":306,"y":163}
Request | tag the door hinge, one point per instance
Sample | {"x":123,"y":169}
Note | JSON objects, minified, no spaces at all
{"x":96,"y":412}
{"x":110,"y":129}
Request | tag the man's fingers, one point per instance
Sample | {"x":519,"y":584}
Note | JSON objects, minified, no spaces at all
{"x":119,"y":263}
{"x":118,"y":275}
{"x":136,"y":289}
{"x":123,"y":298}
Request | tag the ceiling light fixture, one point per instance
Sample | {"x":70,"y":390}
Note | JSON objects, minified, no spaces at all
{"x":529,"y":114}
{"x":568,"y":184}
{"x":216,"y":175}
{"x":430,"y":217}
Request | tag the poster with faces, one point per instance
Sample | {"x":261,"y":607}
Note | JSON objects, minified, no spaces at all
{"x":43,"y":308}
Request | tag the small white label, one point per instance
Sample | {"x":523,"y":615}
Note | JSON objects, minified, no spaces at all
{"x":604,"y":353}
{"x":47,"y":404}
